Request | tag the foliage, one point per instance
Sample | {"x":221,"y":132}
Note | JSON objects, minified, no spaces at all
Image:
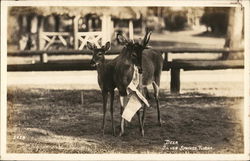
{"x":117,"y":12}
{"x":168,"y":17}
{"x":216,"y":19}
{"x":175,"y":22}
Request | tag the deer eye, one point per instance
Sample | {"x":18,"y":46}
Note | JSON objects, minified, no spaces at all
{"x":134,"y":55}
{"x":99,"y":54}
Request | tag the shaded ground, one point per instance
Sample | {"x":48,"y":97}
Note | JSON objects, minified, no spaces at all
{"x":54,"y":121}
{"x":211,"y":34}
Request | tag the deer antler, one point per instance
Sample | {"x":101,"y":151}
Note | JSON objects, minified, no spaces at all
{"x":147,"y":37}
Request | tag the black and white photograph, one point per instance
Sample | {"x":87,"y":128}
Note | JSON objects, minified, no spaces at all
{"x":110,"y":78}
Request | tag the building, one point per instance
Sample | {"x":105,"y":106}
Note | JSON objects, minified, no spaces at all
{"x":48,"y":28}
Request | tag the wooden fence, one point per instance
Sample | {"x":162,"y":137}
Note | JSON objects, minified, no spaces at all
{"x":174,"y":66}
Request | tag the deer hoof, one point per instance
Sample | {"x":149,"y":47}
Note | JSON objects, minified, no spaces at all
{"x":160,"y":123}
{"x":121,"y":133}
{"x":113,"y":132}
{"x":142,"y":133}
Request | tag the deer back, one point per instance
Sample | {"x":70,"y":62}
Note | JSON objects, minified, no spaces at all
{"x":152,"y":63}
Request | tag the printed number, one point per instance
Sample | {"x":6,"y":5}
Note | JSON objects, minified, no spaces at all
{"x":19,"y":137}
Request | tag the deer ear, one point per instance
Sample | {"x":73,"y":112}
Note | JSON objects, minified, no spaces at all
{"x":91,"y":46}
{"x":140,"y":41}
{"x":107,"y":46}
{"x":121,"y":39}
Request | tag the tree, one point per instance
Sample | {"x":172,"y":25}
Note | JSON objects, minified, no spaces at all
{"x":234,"y":37}
{"x":216,"y":18}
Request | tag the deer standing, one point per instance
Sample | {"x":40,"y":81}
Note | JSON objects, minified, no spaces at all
{"x":105,"y":78}
{"x":149,"y":63}
{"x":119,"y":72}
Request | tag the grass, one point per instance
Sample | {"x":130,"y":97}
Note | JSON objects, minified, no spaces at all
{"x":54,"y":121}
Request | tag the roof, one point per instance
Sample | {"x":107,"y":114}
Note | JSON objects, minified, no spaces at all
{"x":115,"y":12}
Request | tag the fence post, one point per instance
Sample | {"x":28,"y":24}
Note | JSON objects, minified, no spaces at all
{"x":106,"y":28}
{"x":41,"y":44}
{"x":75,"y":31}
{"x":165,"y":57}
{"x":44,"y":58}
{"x":175,"y":81}
{"x":82,"y":98}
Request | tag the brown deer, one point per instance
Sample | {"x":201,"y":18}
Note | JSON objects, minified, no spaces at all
{"x":105,"y":78}
{"x":106,"y":74}
{"x":149,"y":63}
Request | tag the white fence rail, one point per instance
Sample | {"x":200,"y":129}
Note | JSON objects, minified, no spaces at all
{"x":48,"y":39}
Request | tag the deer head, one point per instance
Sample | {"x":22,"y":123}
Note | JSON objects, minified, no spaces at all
{"x":98,"y":53}
{"x":135,"y":48}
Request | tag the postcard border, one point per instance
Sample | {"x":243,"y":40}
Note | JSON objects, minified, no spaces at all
{"x":188,"y":3}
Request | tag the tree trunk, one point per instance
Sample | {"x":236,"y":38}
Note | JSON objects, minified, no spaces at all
{"x":234,"y":38}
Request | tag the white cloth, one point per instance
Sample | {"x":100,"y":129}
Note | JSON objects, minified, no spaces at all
{"x":135,"y":83}
{"x":131,"y":108}
{"x":134,"y":103}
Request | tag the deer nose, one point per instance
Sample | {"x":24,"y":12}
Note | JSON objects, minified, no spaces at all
{"x":140,"y":70}
{"x":92,"y":63}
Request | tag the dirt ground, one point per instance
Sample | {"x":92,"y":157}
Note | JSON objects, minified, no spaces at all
{"x":53,"y":120}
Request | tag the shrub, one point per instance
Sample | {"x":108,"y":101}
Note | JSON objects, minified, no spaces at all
{"x":175,"y":22}
{"x":216,"y":19}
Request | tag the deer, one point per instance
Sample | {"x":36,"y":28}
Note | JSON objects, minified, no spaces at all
{"x":149,"y":63}
{"x":105,"y":72}
{"x":118,"y":73}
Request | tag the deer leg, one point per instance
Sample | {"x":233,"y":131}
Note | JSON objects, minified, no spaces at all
{"x":111,"y":110}
{"x":143,"y":115}
{"x":145,"y":93}
{"x":121,"y":108}
{"x":140,"y":122}
{"x":156,"y":95}
{"x":105,"y":98}
{"x":122,"y":119}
